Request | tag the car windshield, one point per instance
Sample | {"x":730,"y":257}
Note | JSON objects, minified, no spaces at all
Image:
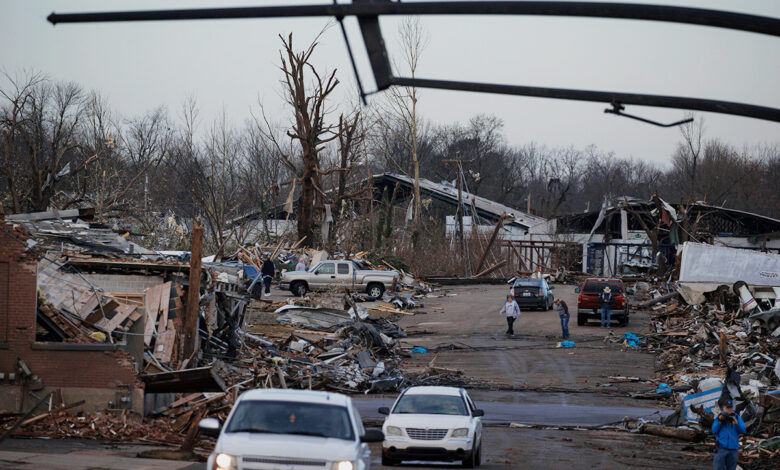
{"x":598,"y":286}
{"x":431,"y":405}
{"x":287,"y":417}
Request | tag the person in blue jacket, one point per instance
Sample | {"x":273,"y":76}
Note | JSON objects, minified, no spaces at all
{"x":727,"y":428}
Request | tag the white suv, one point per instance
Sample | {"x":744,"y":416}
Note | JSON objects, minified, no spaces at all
{"x":433,"y":423}
{"x":291,"y":429}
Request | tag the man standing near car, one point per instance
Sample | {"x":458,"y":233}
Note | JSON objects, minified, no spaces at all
{"x":267,"y":270}
{"x":606,"y":298}
{"x":727,"y":428}
{"x":511,"y":310}
{"x":563,"y":313}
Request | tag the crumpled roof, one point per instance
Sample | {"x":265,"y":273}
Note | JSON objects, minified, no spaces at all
{"x":449,"y":192}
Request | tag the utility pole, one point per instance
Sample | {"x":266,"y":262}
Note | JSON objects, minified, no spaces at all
{"x":459,"y":167}
{"x":193,"y":293}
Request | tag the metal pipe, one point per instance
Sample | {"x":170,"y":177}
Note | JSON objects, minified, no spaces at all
{"x":661,"y":101}
{"x":672,"y":14}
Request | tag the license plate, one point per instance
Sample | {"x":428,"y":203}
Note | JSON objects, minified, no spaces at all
{"x":526,"y":294}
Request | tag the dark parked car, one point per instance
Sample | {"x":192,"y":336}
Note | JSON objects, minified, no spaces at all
{"x":533,"y":293}
{"x":588,"y":305}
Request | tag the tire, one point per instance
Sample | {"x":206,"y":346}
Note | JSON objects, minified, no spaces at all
{"x":471,"y":461}
{"x":375,"y":289}
{"x":388,"y":462}
{"x":299,"y":288}
{"x":479,"y":455}
{"x":582,"y":320}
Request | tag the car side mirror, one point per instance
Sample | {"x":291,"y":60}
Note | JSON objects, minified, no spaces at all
{"x":372,"y":435}
{"x":478,"y":413}
{"x":210,"y":426}
{"x":384,"y":410}
{"x":576,"y":290}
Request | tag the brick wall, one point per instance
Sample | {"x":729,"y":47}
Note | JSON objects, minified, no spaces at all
{"x":65,"y":369}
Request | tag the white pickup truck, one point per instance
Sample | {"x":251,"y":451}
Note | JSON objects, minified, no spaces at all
{"x":346,"y":273}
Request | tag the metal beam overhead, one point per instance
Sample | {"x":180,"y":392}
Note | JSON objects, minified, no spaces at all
{"x":368,"y":12}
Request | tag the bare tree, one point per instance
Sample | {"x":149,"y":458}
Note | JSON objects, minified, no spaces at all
{"x":399,"y":110}
{"x":310,"y":132}
{"x":687,"y":156}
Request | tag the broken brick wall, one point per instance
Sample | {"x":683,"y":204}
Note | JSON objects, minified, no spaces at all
{"x":90,"y":372}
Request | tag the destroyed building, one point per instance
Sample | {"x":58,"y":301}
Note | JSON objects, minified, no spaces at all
{"x":31,"y":368}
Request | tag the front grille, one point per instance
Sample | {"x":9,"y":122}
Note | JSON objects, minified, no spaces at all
{"x":426,"y":434}
{"x":284,"y":461}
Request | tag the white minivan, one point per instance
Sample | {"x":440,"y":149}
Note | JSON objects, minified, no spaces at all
{"x":290,"y":430}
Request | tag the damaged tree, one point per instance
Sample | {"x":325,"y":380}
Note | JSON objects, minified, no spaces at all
{"x":311,"y":131}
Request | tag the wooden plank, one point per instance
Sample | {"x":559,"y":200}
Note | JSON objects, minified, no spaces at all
{"x":490,"y":242}
{"x":164,"y":346}
{"x":152,"y":307}
{"x":190,"y":320}
{"x":85,"y":303}
{"x":165,"y":301}
{"x":122,"y":313}
{"x":491,"y":269}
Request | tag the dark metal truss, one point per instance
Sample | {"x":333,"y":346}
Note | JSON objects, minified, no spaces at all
{"x":368,"y":12}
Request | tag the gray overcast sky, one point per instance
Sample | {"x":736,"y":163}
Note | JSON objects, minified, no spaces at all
{"x":230,"y":63}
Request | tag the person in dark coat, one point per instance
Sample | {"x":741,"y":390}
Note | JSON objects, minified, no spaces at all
{"x":267,"y":270}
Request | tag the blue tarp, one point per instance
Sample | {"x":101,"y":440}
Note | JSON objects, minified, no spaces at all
{"x":567,"y":344}
{"x":419,"y":350}
{"x":250,"y":272}
{"x":632,"y":340}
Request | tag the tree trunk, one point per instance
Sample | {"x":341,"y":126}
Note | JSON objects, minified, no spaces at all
{"x":306,"y":200}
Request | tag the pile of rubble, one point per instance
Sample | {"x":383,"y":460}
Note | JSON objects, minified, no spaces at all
{"x":715,"y":349}
{"x":193,"y":335}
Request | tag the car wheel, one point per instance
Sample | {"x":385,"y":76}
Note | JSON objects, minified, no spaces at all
{"x":388,"y":462}
{"x":375,"y":290}
{"x":299,"y":288}
{"x":624,"y":321}
{"x":471,"y":461}
{"x":479,"y":455}
{"x":582,"y":320}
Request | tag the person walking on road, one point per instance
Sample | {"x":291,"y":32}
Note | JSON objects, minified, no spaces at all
{"x":267,"y":270}
{"x":606,"y":298}
{"x":563,"y":313}
{"x":511,"y":310}
{"x":727,"y":428}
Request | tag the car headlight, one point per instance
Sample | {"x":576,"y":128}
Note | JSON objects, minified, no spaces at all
{"x":224,"y":462}
{"x":343,"y":465}
{"x":460,"y":432}
{"x":394,"y":431}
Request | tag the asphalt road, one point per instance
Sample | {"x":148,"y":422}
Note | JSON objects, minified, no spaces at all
{"x":536,"y":413}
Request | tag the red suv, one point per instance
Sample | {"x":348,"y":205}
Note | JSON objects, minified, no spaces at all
{"x":588,"y":305}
